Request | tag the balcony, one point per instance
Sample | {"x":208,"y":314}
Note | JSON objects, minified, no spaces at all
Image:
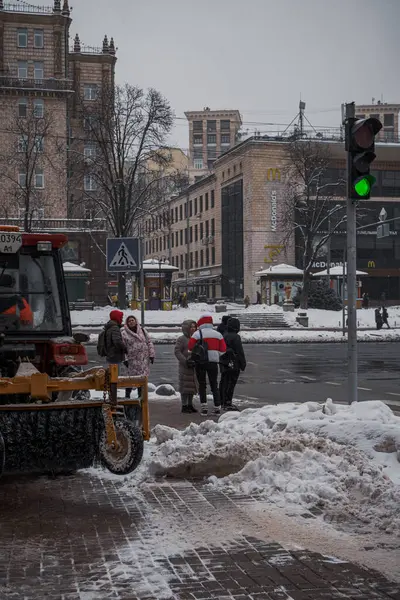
{"x":45,"y":85}
{"x":27,"y":8}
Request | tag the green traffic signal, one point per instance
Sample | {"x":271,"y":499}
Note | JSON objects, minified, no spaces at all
{"x":363,"y":185}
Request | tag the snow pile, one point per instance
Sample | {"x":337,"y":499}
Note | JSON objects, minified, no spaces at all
{"x":334,"y":457}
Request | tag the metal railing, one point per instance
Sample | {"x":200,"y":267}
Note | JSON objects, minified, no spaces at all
{"x":52,"y":84}
{"x":84,"y":49}
{"x":27,"y":8}
{"x":59,"y":224}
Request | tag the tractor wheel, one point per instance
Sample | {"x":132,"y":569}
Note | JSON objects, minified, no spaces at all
{"x":126,"y":458}
{"x":2,"y":455}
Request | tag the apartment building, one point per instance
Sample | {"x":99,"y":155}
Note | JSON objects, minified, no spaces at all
{"x":211,"y":133}
{"x":243,"y":203}
{"x":388,"y":114}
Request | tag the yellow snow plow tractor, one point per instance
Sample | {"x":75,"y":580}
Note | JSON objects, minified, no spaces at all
{"x":49,"y":420}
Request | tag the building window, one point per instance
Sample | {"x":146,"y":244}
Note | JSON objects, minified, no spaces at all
{"x":198,"y":126}
{"x":206,"y":201}
{"x":181,"y":237}
{"x":197,"y":140}
{"x":391,"y":183}
{"x":191,"y":235}
{"x":89,"y":122}
{"x":211,"y":139}
{"x":22,"y":107}
{"x":196,"y":259}
{"x":172,"y":240}
{"x":191,"y":260}
{"x":180,"y":212}
{"x":181,"y":262}
{"x":190,"y":208}
{"x":207,"y":229}
{"x":225,"y":125}
{"x":201,"y":231}
{"x":207,"y":257}
{"x":38,"y":38}
{"x":195,"y":206}
{"x":201,"y":258}
{"x":157,"y":245}
{"x":210,"y":164}
{"x":212,"y":227}
{"x":22,"y":179}
{"x":38,"y":108}
{"x":38,"y":70}
{"x":22,"y":38}
{"x":176,"y":239}
{"x":196,"y":233}
{"x":90,"y":91}
{"x":22,"y":69}
{"x":201,"y":204}
{"x":89,"y":151}
{"x":212,"y":199}
{"x":225,"y":139}
{"x":39,"y":179}
{"x":198,"y":163}
{"x":176,"y":214}
{"x":38,"y":143}
{"x":172,"y":216}
{"x":212,"y":255}
{"x":388,"y":120}
{"x":211,"y":126}
{"x":22,"y":143}
{"x":185,"y":210}
{"x":89,"y":183}
{"x":186,"y":262}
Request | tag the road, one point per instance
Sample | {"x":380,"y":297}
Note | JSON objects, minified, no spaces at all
{"x":301,"y":372}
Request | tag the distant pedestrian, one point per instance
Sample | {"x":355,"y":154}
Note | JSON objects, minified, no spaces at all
{"x":258,"y":297}
{"x":110,"y":344}
{"x":385,"y":316}
{"x":184,"y":300}
{"x":222,"y":326}
{"x":206,"y":346}
{"x":232,"y":362}
{"x":139,"y":350}
{"x":187,"y":375}
{"x":378,"y":319}
{"x":247,"y":302}
{"x":365,"y":300}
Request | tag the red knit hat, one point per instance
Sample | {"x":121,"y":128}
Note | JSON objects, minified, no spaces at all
{"x":117,"y":315}
{"x":205,"y":319}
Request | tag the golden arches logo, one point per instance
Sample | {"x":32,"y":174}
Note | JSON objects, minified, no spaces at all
{"x":371,"y":264}
{"x":273,"y":175}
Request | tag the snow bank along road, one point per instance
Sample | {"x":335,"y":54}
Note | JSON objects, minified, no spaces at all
{"x":300,"y":372}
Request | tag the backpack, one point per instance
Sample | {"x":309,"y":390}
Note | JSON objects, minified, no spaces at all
{"x":199,"y":353}
{"x":229,"y":360}
{"x":101,"y":344}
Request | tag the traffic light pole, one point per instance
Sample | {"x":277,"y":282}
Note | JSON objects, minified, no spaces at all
{"x":351,"y":277}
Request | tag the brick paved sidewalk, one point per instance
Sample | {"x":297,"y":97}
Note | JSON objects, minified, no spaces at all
{"x":88,"y":538}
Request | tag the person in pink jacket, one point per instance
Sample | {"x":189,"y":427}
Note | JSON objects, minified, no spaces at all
{"x":139,"y":350}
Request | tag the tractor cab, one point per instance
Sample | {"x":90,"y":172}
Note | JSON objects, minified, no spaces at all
{"x":35,"y":322}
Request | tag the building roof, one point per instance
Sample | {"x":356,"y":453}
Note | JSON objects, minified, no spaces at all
{"x":70,"y":267}
{"x":153,"y":264}
{"x":282,"y":269}
{"x":337,"y":272}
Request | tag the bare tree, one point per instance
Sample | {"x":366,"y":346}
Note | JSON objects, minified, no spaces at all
{"x":24,"y":161}
{"x":124,"y":162}
{"x":312,"y":213}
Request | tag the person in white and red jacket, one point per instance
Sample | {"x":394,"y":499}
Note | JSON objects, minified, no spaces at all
{"x":216,"y":346}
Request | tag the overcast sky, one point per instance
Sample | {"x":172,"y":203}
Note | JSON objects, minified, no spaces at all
{"x":257,"y":56}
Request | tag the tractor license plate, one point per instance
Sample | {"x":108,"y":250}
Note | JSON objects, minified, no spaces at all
{"x":10,"y":242}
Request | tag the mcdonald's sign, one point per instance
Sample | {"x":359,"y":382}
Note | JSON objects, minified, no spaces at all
{"x":371,"y":264}
{"x":273,"y":175}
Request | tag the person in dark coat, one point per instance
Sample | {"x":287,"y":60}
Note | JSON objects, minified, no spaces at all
{"x":114,"y":344}
{"x":232,"y":363}
{"x":378,"y":319}
{"x":222,"y":326}
{"x":385,"y":316}
{"x":187,"y":375}
{"x":365,"y":300}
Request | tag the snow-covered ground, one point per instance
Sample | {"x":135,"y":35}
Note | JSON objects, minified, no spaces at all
{"x":341,"y":459}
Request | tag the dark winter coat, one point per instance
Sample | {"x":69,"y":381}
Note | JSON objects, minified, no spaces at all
{"x":114,"y":344}
{"x":222,"y":326}
{"x":233,"y":341}
{"x":187,"y":376}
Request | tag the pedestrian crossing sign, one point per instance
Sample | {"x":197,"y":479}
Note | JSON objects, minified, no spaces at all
{"x":123,"y":255}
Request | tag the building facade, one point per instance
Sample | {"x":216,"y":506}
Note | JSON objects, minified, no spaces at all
{"x":211,"y":133}
{"x":228,"y":226}
{"x":388,"y":114}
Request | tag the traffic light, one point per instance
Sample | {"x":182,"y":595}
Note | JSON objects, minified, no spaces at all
{"x":360,"y":143}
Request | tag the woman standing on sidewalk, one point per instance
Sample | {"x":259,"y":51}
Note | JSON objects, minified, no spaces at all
{"x":187,"y":376}
{"x":139,"y":350}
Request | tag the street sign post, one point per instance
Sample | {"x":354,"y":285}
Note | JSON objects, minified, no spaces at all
{"x":382,"y":231}
{"x":123,"y":255}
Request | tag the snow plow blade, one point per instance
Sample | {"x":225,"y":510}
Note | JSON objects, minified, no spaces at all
{"x":44,"y":428}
